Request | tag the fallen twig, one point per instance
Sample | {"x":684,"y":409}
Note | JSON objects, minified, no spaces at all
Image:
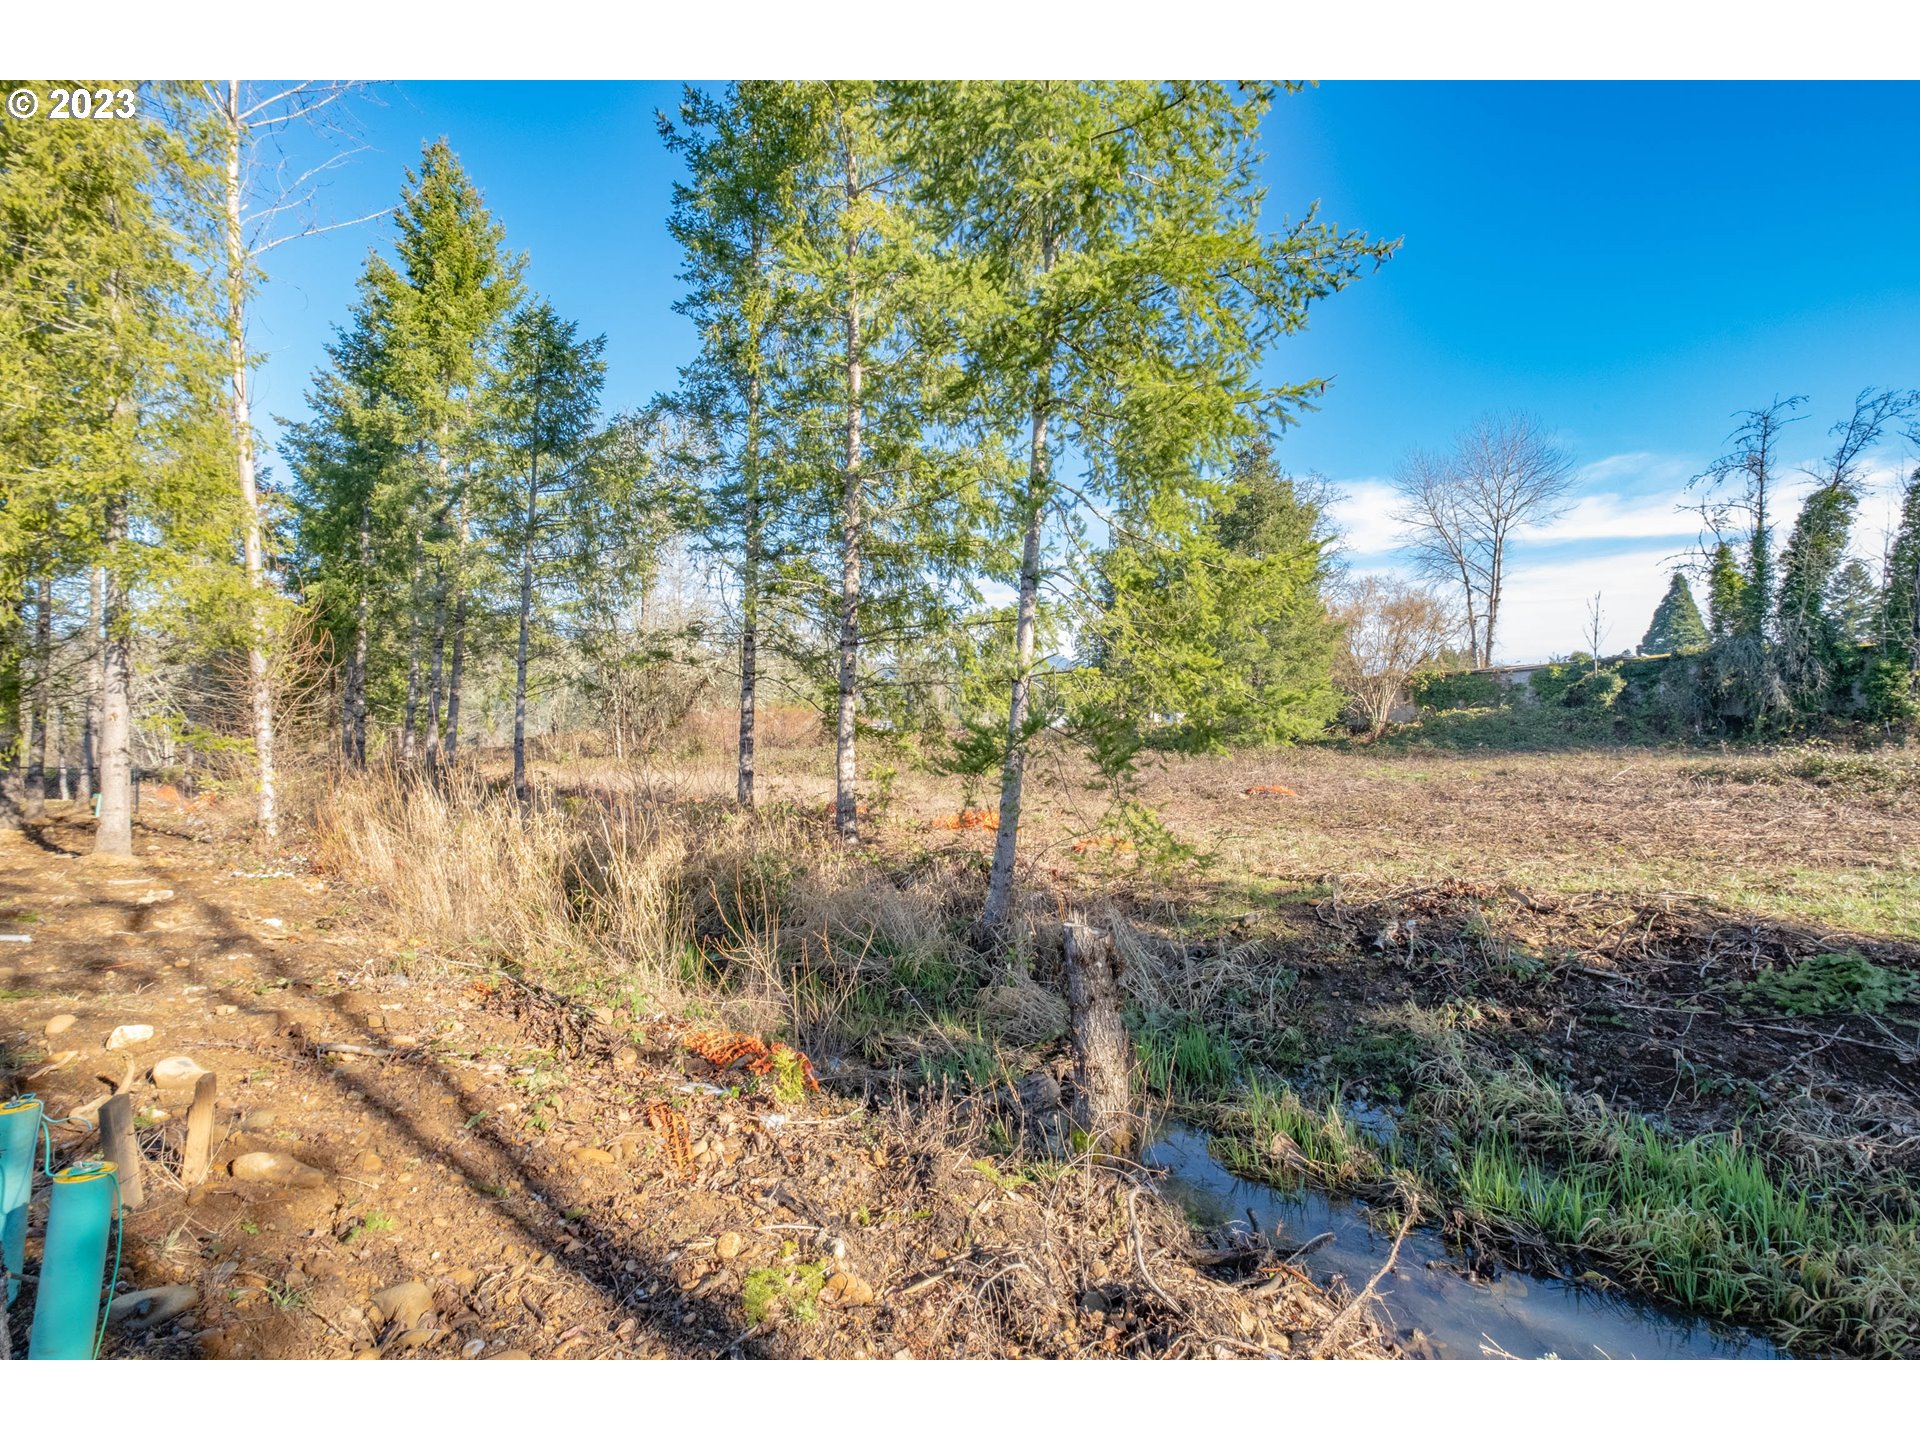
{"x":1359,"y":1301}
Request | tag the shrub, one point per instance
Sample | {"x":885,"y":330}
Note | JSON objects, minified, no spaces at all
{"x":1457,"y":690}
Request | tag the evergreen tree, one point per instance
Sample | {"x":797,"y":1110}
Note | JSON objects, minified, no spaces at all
{"x":359,"y":485}
{"x":1809,"y":632}
{"x":1116,"y":292}
{"x":1226,"y":627}
{"x":456,"y":284}
{"x":744,"y":154}
{"x":1676,"y":627}
{"x":1853,"y":604}
{"x":1726,"y":593}
{"x":1899,"y":612}
{"x":550,"y":394}
{"x":108,"y":347}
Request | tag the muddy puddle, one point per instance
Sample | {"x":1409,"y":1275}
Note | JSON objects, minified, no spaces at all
{"x":1435,"y":1309}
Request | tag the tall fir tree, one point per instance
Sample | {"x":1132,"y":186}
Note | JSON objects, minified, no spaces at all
{"x":457,"y":283}
{"x":549,"y":399}
{"x":1676,"y":627}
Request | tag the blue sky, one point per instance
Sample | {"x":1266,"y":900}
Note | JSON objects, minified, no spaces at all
{"x":1631,"y":262}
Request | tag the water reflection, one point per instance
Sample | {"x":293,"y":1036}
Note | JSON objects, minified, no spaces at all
{"x":1437,"y":1310}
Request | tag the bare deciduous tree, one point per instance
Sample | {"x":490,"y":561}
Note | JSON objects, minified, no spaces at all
{"x":256,"y":194}
{"x":1596,"y":630}
{"x":1393,"y":631}
{"x":1506,"y":471}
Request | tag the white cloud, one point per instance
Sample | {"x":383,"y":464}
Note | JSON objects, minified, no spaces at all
{"x":1617,"y":517}
{"x":1364,"y":513}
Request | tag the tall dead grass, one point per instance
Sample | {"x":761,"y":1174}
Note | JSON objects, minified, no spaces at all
{"x":616,"y":892}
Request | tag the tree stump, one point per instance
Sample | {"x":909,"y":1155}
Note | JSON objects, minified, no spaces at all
{"x":1102,"y":1049}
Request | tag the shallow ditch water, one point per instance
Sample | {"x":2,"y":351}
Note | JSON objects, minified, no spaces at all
{"x":1435,"y":1309}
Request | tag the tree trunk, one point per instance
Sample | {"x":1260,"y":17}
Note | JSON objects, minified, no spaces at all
{"x":458,"y":663}
{"x":526,"y":625}
{"x":36,"y":778}
{"x":1493,"y":596}
{"x":1013,"y":768}
{"x":1102,"y":1050}
{"x":357,"y":690}
{"x":114,"y":834}
{"x":10,"y":738}
{"x":259,"y":684}
{"x":59,"y":742}
{"x":846,"y":810}
{"x":1474,"y":657}
{"x":435,"y":670}
{"x":749,"y":592}
{"x":90,"y":711}
{"x":408,"y":735}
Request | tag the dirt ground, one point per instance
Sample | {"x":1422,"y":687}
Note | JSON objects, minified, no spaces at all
{"x":488,"y":1171}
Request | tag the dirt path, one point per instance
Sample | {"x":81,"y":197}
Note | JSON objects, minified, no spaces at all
{"x":506,"y":1158}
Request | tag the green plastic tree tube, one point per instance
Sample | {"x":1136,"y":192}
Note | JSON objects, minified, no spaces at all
{"x":19,"y":1140}
{"x":66,"y":1314}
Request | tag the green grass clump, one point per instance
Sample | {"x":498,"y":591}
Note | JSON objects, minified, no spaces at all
{"x":793,"y":1289}
{"x":1708,"y":1221}
{"x":1275,"y":1136}
{"x":1843,"y":983}
{"x":1183,"y":1056}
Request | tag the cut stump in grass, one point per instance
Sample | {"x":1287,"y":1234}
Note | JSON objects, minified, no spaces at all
{"x":1102,"y":1050}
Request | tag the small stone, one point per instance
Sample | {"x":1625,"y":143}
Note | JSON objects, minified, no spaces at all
{"x":275,"y":1169}
{"x":371,"y":1163}
{"x":125,"y":1035}
{"x":626,"y":1058}
{"x":591,"y":1155}
{"x":473,"y":1349}
{"x":59,"y":1025}
{"x":401,"y":1305}
{"x":729,"y":1245}
{"x":372,"y":1352}
{"x":226,"y":1009}
{"x":509,"y":1355}
{"x":177,"y":1070}
{"x":260,"y":1119}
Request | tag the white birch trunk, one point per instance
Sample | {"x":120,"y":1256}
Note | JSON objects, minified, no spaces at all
{"x":259,"y":684}
{"x":852,"y":517}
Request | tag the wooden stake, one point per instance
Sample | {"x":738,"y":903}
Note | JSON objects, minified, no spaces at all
{"x":193,"y":1160}
{"x":116,"y":1139}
